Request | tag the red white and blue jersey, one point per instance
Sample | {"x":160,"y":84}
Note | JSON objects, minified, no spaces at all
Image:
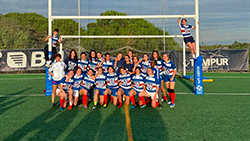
{"x":144,"y":66}
{"x":83,"y":64}
{"x":66,"y":85}
{"x":106,"y":64}
{"x":151,"y":83}
{"x":185,"y":30}
{"x":87,"y":82}
{"x":112,"y":80}
{"x":99,"y":61}
{"x":100,"y":82}
{"x":168,"y":68}
{"x":125,"y":81}
{"x":55,"y":39}
{"x":138,"y":81}
{"x":92,"y":65}
{"x":156,"y":72}
{"x":77,"y":81}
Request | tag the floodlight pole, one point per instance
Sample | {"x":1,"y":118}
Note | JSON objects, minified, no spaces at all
{"x":50,"y":25}
{"x":163,"y":24}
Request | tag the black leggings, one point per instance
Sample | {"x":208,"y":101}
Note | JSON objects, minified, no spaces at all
{"x":46,"y":53}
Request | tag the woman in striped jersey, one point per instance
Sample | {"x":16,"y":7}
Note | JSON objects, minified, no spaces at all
{"x":112,"y":84}
{"x":87,"y":83}
{"x":125,"y":86}
{"x":144,"y":64}
{"x":100,"y":84}
{"x":137,"y":87}
{"x":169,"y":71}
{"x":76,"y":87}
{"x":83,"y":62}
{"x":151,"y":89}
{"x":99,"y":57}
{"x":65,"y":89}
{"x":93,"y":60}
{"x":106,"y":62}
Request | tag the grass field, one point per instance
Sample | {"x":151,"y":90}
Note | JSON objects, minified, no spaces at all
{"x":221,"y":114}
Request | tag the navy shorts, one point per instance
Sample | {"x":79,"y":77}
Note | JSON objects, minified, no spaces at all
{"x":101,"y":91}
{"x":126,"y":91}
{"x":189,"y":40}
{"x":168,"y":77}
{"x":54,"y":82}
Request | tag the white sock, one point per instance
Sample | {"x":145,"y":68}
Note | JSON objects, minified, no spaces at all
{"x":193,"y":55}
{"x":70,"y":103}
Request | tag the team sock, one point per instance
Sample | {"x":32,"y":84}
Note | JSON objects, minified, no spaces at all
{"x":61,"y":102}
{"x":156,"y":104}
{"x":70,"y":103}
{"x":142,"y":100}
{"x":169,"y":94}
{"x":165,"y":97}
{"x":120,"y":105}
{"x":105,"y":99}
{"x":173,"y":96}
{"x":132,"y":98}
{"x":95,"y":103}
{"x":84,"y":101}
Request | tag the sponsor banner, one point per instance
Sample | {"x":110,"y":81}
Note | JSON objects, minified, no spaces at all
{"x":26,"y":59}
{"x":216,"y":59}
{"x":198,"y":76}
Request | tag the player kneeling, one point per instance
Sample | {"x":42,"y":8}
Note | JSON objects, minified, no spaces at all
{"x":125,"y":86}
{"x":65,"y":89}
{"x":76,"y":87}
{"x":87,"y":83}
{"x":151,"y":90}
{"x":112,"y":83}
{"x":100,"y":88}
{"x":137,"y":87}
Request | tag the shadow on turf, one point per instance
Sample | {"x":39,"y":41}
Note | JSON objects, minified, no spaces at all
{"x":50,"y":125}
{"x":190,"y":87}
{"x":4,"y":106}
{"x":147,"y":124}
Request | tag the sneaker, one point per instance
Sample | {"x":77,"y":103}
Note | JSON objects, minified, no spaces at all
{"x":172,"y":105}
{"x":160,"y":106}
{"x":169,"y":102}
{"x":85,"y":106}
{"x":133,"y":106}
{"x":70,"y":107}
{"x":52,"y":105}
{"x":104,"y":106}
{"x":94,"y":107}
{"x":61,"y":109}
{"x":143,"y":106}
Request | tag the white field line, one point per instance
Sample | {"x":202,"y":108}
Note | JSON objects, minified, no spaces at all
{"x":183,"y":93}
{"x":242,"y":77}
{"x":34,"y":78}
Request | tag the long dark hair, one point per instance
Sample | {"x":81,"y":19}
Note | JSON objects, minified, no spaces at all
{"x":158,"y":56}
{"x":90,"y":57}
{"x":75,"y":58}
{"x":106,"y":55}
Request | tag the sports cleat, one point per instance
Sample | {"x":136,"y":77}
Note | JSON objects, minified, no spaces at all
{"x":169,"y":102}
{"x":70,"y":107}
{"x":52,"y":105}
{"x":133,"y":106}
{"x":85,"y":106}
{"x":143,"y":106}
{"x":80,"y":106}
{"x":104,"y":106}
{"x":172,"y":105}
{"x":94,"y":107}
{"x":61,"y":109}
{"x":160,"y":106}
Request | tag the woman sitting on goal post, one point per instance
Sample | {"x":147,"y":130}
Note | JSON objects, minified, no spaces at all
{"x":187,"y":36}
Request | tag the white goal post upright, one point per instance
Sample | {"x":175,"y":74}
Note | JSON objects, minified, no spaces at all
{"x":195,"y":17}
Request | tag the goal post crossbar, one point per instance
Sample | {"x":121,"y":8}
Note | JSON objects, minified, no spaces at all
{"x":121,"y":36}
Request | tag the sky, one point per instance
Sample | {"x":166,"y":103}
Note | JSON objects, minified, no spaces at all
{"x":221,"y":21}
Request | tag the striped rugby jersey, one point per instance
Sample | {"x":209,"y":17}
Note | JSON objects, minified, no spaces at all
{"x":138,"y":81}
{"x":83,"y":64}
{"x":151,"y":83}
{"x":185,"y":30}
{"x":87,"y":82}
{"x":144,"y":66}
{"x":112,"y":80}
{"x":100,"y":81}
{"x":168,"y":68}
{"x":125,"y":81}
{"x":66,"y":85}
{"x":55,"y":39}
{"x":99,"y":61}
{"x":106,"y":64}
{"x":77,"y":81}
{"x":92,"y":65}
{"x":156,"y":72}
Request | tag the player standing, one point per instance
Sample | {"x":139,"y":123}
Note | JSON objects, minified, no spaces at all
{"x":145,"y":64}
{"x":169,"y":71}
{"x":100,"y":80}
{"x":71,"y":61}
{"x":57,"y":68}
{"x":188,"y":39}
{"x":106,"y":62}
{"x":83,"y":62}
{"x":93,"y":60}
{"x":65,"y":89}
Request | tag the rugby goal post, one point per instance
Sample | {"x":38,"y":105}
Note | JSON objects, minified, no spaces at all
{"x":51,"y":18}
